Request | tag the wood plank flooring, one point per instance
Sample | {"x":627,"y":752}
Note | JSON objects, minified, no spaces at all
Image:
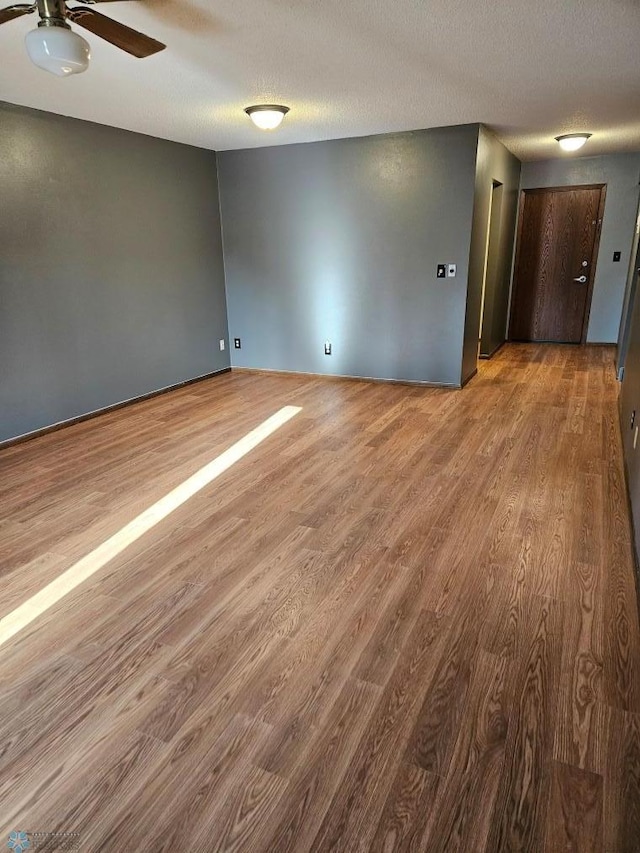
{"x":406,"y":621}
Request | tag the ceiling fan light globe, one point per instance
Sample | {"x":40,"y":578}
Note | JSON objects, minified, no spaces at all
{"x":58,"y":50}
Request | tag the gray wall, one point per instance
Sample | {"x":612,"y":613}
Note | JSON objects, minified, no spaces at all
{"x":630,"y":401}
{"x":340,"y":241}
{"x":111,"y":274}
{"x":621,"y":173}
{"x":630,"y":293}
{"x":494,"y":163}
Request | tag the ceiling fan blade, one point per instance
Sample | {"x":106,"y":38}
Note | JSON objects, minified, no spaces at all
{"x":16,"y":11}
{"x":133,"y":42}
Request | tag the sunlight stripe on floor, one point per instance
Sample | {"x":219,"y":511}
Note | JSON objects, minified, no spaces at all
{"x":141,"y":524}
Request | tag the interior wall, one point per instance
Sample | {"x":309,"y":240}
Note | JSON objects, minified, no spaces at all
{"x":630,"y":294}
{"x":339,"y":241}
{"x":494,"y":163}
{"x":111,"y":272}
{"x":630,"y":404}
{"x":621,"y":173}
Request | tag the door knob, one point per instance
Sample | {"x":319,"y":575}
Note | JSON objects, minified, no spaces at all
{"x":581,"y":279}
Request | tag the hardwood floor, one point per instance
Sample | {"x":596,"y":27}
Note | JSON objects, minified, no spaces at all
{"x":405,"y":621}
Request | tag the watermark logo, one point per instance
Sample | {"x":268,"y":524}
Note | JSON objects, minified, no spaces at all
{"x":18,"y":841}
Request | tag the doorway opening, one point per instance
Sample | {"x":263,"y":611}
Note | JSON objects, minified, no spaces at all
{"x":556,"y":252}
{"x":491,"y":271}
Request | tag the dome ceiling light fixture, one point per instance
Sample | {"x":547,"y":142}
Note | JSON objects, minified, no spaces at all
{"x":572,"y":141}
{"x":267,"y":116}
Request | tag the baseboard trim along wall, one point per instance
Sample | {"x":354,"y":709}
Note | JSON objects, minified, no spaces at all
{"x":627,"y":491}
{"x":492,"y":353}
{"x":27,"y":436}
{"x":339,"y":377}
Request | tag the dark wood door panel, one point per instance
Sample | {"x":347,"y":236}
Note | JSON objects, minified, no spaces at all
{"x":556,"y":248}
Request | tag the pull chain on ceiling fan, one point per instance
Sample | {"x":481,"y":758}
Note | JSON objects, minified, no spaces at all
{"x":56,"y":48}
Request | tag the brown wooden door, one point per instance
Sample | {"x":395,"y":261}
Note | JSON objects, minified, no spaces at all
{"x":555,"y":263}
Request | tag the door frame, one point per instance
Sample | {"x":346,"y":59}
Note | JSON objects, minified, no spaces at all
{"x":495,"y":185}
{"x":596,"y":247}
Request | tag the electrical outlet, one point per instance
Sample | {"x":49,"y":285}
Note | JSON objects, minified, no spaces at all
{"x":327,"y":347}
{"x":633,"y":419}
{"x":452,"y":269}
{"x":442,"y":271}
{"x":237,"y":343}
{"x":617,"y":256}
{"x":221,"y":344}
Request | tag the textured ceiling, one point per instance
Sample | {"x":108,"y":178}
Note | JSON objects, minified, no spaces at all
{"x":529,"y":70}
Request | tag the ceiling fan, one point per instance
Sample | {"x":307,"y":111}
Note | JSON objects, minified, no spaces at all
{"x":56,"y":48}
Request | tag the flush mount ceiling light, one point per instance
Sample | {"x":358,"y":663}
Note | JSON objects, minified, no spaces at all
{"x":572,"y":141}
{"x":267,"y":116}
